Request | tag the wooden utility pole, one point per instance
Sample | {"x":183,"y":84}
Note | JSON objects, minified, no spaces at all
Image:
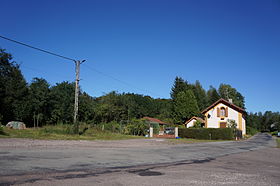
{"x":77,"y":90}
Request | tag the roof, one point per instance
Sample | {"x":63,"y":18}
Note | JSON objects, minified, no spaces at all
{"x":196,"y":118}
{"x":226,"y":103}
{"x":154,"y":120}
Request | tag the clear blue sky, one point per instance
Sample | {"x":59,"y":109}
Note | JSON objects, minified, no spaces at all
{"x":148,"y":43}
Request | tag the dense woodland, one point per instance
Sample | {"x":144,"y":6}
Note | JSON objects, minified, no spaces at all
{"x":39,"y":103}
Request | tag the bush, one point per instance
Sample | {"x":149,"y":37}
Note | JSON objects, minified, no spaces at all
{"x":208,"y":133}
{"x":136,"y":127}
{"x":112,"y":126}
{"x":251,"y":131}
{"x":275,"y":133}
{"x":59,"y":129}
{"x":155,"y":127}
{"x":2,"y":130}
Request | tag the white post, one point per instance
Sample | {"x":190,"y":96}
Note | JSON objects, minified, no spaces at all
{"x":151,"y":132}
{"x":176,"y":132}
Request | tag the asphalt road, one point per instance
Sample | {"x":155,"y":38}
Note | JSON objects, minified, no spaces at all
{"x":125,"y":162}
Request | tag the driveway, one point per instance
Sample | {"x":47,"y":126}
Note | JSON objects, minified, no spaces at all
{"x":25,"y":161}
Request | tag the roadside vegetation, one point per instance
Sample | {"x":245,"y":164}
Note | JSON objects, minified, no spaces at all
{"x":64,"y":132}
{"x":41,"y":105}
{"x":278,"y":142}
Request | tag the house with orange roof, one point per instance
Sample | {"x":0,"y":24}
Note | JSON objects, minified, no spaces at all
{"x":191,"y":122}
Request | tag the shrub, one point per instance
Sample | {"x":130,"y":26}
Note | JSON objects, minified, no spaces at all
{"x":2,"y":130}
{"x":59,"y":129}
{"x":207,"y":133}
{"x":136,"y":127}
{"x":251,"y":131}
{"x":155,"y":127}
{"x":112,"y":126}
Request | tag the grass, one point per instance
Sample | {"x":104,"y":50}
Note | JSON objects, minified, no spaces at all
{"x":187,"y":140}
{"x":278,"y":142}
{"x":60,"y":133}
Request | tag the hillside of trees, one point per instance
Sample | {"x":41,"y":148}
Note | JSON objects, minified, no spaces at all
{"x":40,"y":103}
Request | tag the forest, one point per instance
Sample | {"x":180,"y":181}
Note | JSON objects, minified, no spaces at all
{"x":38,"y":103}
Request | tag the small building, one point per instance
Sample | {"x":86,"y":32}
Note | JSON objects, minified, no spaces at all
{"x":219,"y":113}
{"x":191,"y":122}
{"x":157,"y":121}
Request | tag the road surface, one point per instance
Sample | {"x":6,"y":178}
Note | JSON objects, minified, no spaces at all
{"x":139,"y":162}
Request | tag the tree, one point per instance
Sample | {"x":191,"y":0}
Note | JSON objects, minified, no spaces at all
{"x":185,"y":106}
{"x":87,"y":105}
{"x":227,"y":92}
{"x":200,"y":95}
{"x":39,"y":93}
{"x":13,"y":90}
{"x":179,"y":85}
{"x":62,"y":102}
{"x":212,"y":96}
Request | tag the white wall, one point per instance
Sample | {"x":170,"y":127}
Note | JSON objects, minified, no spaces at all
{"x":243,"y":126}
{"x":191,"y":123}
{"x":214,"y":121}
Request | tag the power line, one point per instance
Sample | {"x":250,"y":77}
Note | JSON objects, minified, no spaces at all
{"x":64,"y":57}
{"x":77,"y":69}
{"x":121,"y":81}
{"x":42,"y":50}
{"x":41,"y":71}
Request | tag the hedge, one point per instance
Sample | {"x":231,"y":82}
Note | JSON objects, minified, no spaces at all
{"x":209,"y":133}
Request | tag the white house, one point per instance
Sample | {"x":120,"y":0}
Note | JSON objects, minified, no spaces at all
{"x":193,"y":120}
{"x":218,"y":114}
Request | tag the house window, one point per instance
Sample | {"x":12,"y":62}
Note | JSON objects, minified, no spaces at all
{"x":223,"y":112}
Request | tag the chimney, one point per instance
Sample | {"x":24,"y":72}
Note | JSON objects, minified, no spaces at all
{"x":230,"y":100}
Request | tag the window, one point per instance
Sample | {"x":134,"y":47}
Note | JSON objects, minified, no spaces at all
{"x":223,"y":112}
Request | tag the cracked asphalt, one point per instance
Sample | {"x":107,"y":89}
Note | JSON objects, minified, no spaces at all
{"x":139,"y":162}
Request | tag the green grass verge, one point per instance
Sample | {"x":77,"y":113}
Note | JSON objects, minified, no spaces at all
{"x":60,"y":133}
{"x":278,"y":142}
{"x":184,"y":141}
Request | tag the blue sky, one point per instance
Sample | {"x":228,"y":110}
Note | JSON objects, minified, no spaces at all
{"x":146,"y":44}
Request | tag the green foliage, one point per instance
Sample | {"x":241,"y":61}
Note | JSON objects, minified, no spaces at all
{"x":231,"y":124}
{"x":180,"y":85}
{"x":155,"y":127}
{"x":227,"y":92}
{"x":197,"y":124}
{"x":278,"y":142}
{"x":200,"y":95}
{"x":251,"y":131}
{"x":212,"y":96}
{"x":59,"y":132}
{"x":268,"y":121}
{"x":2,"y":130}
{"x":185,"y":106}
{"x":136,"y":127}
{"x":13,"y":90}
{"x":39,"y":101}
{"x":62,"y":102}
{"x":112,"y":126}
{"x":42,"y":104}
{"x":207,"y":133}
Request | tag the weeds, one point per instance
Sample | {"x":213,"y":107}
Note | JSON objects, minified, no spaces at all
{"x":64,"y":132}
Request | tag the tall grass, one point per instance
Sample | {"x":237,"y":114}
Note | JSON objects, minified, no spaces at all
{"x":65,"y":132}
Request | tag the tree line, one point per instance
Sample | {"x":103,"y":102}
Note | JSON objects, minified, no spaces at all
{"x":38,"y":103}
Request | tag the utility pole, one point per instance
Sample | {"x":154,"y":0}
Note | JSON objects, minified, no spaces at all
{"x":77,"y":65}
{"x":77,"y":90}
